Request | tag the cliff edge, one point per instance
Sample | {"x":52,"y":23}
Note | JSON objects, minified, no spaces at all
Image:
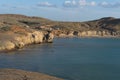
{"x":16,"y":37}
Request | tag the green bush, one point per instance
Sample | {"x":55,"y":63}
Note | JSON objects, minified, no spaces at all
{"x":5,"y":28}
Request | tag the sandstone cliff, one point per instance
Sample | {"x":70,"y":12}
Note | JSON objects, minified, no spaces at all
{"x":17,"y":37}
{"x":89,"y":33}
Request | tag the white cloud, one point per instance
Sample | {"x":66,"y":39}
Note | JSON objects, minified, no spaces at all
{"x":67,"y":2}
{"x":70,"y":3}
{"x":110,"y":5}
{"x":11,"y":6}
{"x":46,"y":4}
{"x":104,"y":4}
{"x":74,"y":2}
{"x":85,"y":3}
{"x":93,"y":3}
{"x":79,"y":3}
{"x":82,"y":2}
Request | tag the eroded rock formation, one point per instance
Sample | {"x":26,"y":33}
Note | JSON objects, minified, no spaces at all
{"x":48,"y":37}
{"x":18,"y":38}
{"x":89,"y":33}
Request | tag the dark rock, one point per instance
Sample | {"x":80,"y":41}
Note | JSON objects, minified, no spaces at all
{"x":48,"y":37}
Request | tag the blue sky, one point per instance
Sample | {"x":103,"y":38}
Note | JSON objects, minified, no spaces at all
{"x":63,"y":10}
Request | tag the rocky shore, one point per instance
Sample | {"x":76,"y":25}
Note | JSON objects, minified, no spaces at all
{"x":14,"y":74}
{"x":18,"y":37}
{"x":89,"y":33}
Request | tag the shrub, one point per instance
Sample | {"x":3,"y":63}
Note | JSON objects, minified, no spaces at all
{"x":5,"y":28}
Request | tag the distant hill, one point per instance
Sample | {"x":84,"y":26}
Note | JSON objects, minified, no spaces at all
{"x":21,"y":20}
{"x":107,"y":23}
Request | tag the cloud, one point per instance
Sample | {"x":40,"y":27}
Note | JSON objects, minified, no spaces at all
{"x":83,"y":3}
{"x":70,"y":3}
{"x":110,"y":5}
{"x":93,"y":3}
{"x":11,"y":6}
{"x":78,"y":3}
{"x":20,"y":7}
{"x":46,"y":4}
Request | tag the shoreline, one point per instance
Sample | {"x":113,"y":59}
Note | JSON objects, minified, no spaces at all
{"x":33,"y":43}
{"x":87,"y":37}
{"x":17,"y":74}
{"x":12,"y":40}
{"x":20,"y":30}
{"x":89,"y":33}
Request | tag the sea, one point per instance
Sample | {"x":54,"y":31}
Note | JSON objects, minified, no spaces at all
{"x":69,"y":58}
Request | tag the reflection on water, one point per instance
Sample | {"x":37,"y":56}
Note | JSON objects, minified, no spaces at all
{"x":72,"y":59}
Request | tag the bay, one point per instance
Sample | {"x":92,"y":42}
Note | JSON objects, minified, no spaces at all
{"x":69,"y":58}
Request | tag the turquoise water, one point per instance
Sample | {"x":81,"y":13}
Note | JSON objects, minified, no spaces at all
{"x":69,"y":58}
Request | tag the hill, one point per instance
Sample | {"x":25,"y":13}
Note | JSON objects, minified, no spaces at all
{"x":106,"y":25}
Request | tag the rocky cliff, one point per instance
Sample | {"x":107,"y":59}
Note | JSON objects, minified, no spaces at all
{"x":17,"y":37}
{"x":89,"y":33}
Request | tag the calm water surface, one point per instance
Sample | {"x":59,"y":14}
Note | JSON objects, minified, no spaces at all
{"x":69,"y":58}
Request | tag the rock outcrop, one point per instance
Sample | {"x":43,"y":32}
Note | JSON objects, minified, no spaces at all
{"x":89,"y":33}
{"x":19,"y":37}
{"x":98,"y":34}
{"x":48,"y":37}
{"x":14,"y":74}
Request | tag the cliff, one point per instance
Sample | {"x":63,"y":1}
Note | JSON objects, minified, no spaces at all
{"x":88,"y":33}
{"x":14,"y":74}
{"x":104,"y":27}
{"x":17,"y":37}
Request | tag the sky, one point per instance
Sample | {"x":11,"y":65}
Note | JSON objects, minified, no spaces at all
{"x":63,"y":10}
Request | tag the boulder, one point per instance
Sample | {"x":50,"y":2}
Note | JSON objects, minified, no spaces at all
{"x":48,"y":37}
